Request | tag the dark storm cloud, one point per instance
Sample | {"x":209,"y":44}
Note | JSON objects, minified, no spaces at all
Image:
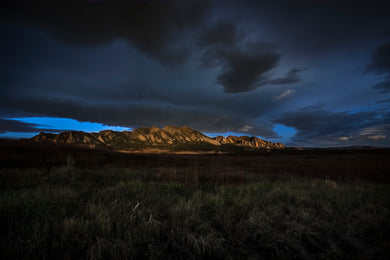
{"x":319,"y":125}
{"x":321,"y":26}
{"x":163,"y":30}
{"x":53,"y":79}
{"x":383,"y":101}
{"x":154,"y":27}
{"x":317,"y":122}
{"x":96,"y":61}
{"x":383,"y":87}
{"x":380,"y":65}
{"x":9,"y":125}
{"x":244,"y":63}
{"x":142,"y":114}
{"x":355,"y":8}
{"x":291,"y":77}
{"x":250,"y":68}
{"x":220,"y":33}
{"x":380,"y":60}
{"x":242,"y":70}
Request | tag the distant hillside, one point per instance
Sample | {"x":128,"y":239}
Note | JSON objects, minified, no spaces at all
{"x":154,"y":139}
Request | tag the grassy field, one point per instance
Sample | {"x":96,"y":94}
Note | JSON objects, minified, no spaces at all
{"x":195,"y":207}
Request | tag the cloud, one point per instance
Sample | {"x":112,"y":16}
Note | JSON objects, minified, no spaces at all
{"x":285,"y":94}
{"x":63,"y":81}
{"x":157,"y":28}
{"x":9,"y":125}
{"x":320,"y":126}
{"x":242,"y":62}
{"x":245,"y":63}
{"x":291,"y":77}
{"x":163,"y":31}
{"x":380,"y":60}
{"x":383,"y":101}
{"x":246,"y":128}
{"x":121,"y":83}
{"x":343,"y":138}
{"x":376,"y":134}
{"x":139,"y":114}
{"x":375,"y":130}
{"x":222,"y":32}
{"x":380,"y":65}
{"x":383,"y":87}
{"x":242,"y":70}
{"x":376,"y":137}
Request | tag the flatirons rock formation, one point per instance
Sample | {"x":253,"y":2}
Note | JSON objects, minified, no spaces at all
{"x":169,"y":138}
{"x":247,"y":141}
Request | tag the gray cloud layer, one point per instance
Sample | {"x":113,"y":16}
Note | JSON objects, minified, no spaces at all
{"x":155,"y":27}
{"x":383,"y":87}
{"x":245,"y":63}
{"x":9,"y":125}
{"x":380,"y":65}
{"x":195,"y":63}
{"x":16,"y":126}
{"x":144,"y":114}
{"x":163,"y":30}
{"x":318,"y":125}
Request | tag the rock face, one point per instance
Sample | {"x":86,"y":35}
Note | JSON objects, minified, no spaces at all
{"x":170,"y":135}
{"x":74,"y":137}
{"x":154,"y":137}
{"x":247,"y":141}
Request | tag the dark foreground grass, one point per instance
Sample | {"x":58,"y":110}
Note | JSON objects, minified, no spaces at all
{"x":67,"y":213}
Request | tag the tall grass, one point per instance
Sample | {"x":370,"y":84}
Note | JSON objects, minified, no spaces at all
{"x":340,"y":165}
{"x":172,"y":213}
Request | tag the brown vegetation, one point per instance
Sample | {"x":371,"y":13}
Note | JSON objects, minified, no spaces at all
{"x":342,"y":165}
{"x":66,"y":202}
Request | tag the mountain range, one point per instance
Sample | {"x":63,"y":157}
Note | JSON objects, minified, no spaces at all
{"x":154,"y":139}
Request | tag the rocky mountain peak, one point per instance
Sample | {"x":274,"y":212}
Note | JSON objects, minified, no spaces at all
{"x":249,"y":141}
{"x":168,"y":136}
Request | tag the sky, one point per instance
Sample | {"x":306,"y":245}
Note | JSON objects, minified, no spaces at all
{"x":307,"y":73}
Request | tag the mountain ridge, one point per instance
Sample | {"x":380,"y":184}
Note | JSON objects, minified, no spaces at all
{"x":168,"y":138}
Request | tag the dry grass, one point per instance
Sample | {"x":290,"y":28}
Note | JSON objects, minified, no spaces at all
{"x":117,"y":214}
{"x":59,"y":202}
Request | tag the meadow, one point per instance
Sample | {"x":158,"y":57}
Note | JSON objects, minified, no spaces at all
{"x":69,"y":203}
